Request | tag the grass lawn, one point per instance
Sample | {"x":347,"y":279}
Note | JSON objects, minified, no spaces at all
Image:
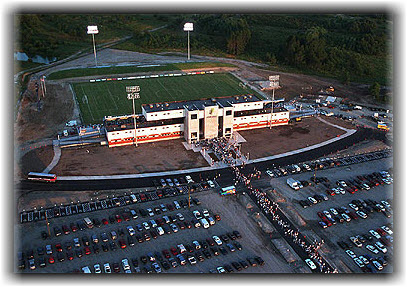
{"x":100,"y":99}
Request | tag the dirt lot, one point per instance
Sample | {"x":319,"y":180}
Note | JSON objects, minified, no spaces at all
{"x":148,"y":157}
{"x":171,"y":155}
{"x":267,"y":142}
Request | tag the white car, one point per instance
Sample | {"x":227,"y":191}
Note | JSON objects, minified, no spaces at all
{"x":181,"y":248}
{"x":374,"y":233}
{"x":341,"y":190}
{"x":180,"y":216}
{"x":312,"y":200}
{"x":48,"y":248}
{"x":150,"y":212}
{"x":361,"y":214}
{"x":107,"y":268}
{"x":372,"y":249}
{"x":381,"y":247}
{"x":220,"y":269}
{"x":327,"y":214}
{"x":365,"y":186}
{"x":353,"y":206}
{"x":358,"y":262}
{"x":197,"y":244}
{"x":311,"y":264}
{"x":211,"y":184}
{"x":345,"y":217}
{"x":97,"y":268}
{"x":146,"y":226}
{"x":153,"y":223}
{"x":377,"y":265}
{"x":197,"y":214}
{"x":125,"y":264}
{"x":364,"y":260}
{"x":334,"y":211}
{"x":388,"y":230}
{"x":205,"y":212}
{"x":189,"y":179}
{"x":86,"y":269}
{"x":217,"y":240}
{"x":350,"y":253}
{"x":76,"y":242}
{"x":131,"y":230}
{"x":160,"y":230}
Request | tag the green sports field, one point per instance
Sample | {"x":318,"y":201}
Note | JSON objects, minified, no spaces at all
{"x":109,"y":98}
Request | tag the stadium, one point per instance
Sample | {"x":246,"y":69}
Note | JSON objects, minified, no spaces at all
{"x":195,"y":106}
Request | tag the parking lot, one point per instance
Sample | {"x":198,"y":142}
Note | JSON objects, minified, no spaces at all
{"x":233,"y":217}
{"x":307,"y":218}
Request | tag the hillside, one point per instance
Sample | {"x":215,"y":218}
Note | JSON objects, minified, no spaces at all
{"x":350,"y":48}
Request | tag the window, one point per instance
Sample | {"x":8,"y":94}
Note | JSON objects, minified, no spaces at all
{"x":229,"y":113}
{"x":194,"y":117}
{"x":228,"y":130}
{"x":194,"y":135}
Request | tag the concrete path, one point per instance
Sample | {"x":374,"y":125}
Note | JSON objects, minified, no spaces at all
{"x":55,"y":160}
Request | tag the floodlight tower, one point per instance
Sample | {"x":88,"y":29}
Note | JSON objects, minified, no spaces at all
{"x":132,"y":94}
{"x":274,"y":83}
{"x":188,"y":27}
{"x":93,"y":30}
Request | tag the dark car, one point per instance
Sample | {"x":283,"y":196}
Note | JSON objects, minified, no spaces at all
{"x":237,"y":266}
{"x":215,"y":251}
{"x":223,"y":250}
{"x":116,"y":267}
{"x":244,"y":264}
{"x":252,"y":262}
{"x":207,"y":254}
{"x":259,"y":260}
{"x":228,"y":268}
{"x":130,"y":241}
{"x":57,"y":231}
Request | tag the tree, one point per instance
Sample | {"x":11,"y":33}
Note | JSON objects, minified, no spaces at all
{"x":374,"y":90}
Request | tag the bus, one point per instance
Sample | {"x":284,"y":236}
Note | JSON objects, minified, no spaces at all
{"x":228,"y":190}
{"x":47,"y":177}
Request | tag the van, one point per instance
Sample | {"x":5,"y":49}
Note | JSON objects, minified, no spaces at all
{"x":204,"y":223}
{"x":88,"y":222}
{"x":167,"y":219}
{"x":357,"y":107}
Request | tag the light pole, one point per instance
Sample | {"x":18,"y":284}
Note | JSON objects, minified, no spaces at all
{"x":132,"y":94}
{"x":188,"y":27}
{"x":274,"y":83}
{"x":93,"y":30}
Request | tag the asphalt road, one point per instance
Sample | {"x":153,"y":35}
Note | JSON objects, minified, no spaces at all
{"x":26,"y":186}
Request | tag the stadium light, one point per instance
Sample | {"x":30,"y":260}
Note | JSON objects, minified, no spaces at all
{"x":274,"y":83}
{"x":93,"y":30}
{"x":188,"y":27}
{"x":132,"y":94}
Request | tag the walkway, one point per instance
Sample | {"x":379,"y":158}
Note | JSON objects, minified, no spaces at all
{"x":55,"y":160}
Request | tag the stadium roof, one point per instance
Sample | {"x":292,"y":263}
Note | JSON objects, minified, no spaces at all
{"x":200,"y":104}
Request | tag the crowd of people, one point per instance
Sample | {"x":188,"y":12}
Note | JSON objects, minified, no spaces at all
{"x":271,"y":209}
{"x":224,"y":149}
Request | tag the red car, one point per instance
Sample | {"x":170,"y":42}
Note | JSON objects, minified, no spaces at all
{"x":87,"y":250}
{"x":122,"y":244}
{"x":69,"y":255}
{"x":74,"y":228}
{"x":105,"y":222}
{"x":58,"y":247}
{"x":51,"y":260}
{"x":217,"y":217}
{"x":167,"y":254}
{"x":65,"y":229}
{"x":118,"y":218}
{"x":174,"y":251}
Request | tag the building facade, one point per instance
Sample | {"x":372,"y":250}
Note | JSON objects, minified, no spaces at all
{"x":194,"y":120}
